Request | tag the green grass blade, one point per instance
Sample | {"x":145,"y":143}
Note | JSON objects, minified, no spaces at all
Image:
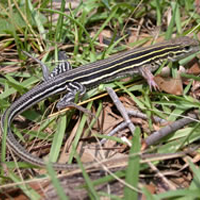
{"x":74,"y":21}
{"x":58,"y":139}
{"x":172,"y":22}
{"x":3,"y":143}
{"x":178,"y":19}
{"x":36,"y":16}
{"x":78,"y":133}
{"x":89,"y":184}
{"x":59,"y":26}
{"x":196,"y":174}
{"x":158,"y":13}
{"x":105,"y":23}
{"x":136,"y":100}
{"x":28,"y":191}
{"x":187,"y":194}
{"x":133,"y":169}
{"x":24,"y":84}
{"x":56,"y":183}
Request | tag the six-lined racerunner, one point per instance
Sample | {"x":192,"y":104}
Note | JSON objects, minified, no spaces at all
{"x":63,"y":79}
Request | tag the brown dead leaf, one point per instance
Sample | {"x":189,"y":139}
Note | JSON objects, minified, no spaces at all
{"x":195,"y":90}
{"x":89,"y":155}
{"x":159,"y":39}
{"x":170,"y":85}
{"x":151,"y":188}
{"x":68,"y":144}
{"x":133,"y":38}
{"x":92,"y":154}
{"x":106,"y":33}
{"x":195,"y":67}
{"x":197,"y":6}
{"x":16,"y":194}
{"x":111,"y":119}
{"x":128,"y":103}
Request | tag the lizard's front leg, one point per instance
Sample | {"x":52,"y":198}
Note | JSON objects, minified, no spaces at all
{"x":73,"y":89}
{"x":146,"y":73}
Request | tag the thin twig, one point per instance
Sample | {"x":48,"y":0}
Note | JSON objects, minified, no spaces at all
{"x":167,"y":184}
{"x":121,"y":108}
{"x":122,"y":125}
{"x":115,"y":130}
{"x":158,"y":135}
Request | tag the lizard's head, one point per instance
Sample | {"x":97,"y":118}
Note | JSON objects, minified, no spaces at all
{"x":184,"y":47}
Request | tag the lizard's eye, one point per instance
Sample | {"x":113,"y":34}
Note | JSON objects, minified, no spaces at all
{"x":171,"y":55}
{"x":187,"y":48}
